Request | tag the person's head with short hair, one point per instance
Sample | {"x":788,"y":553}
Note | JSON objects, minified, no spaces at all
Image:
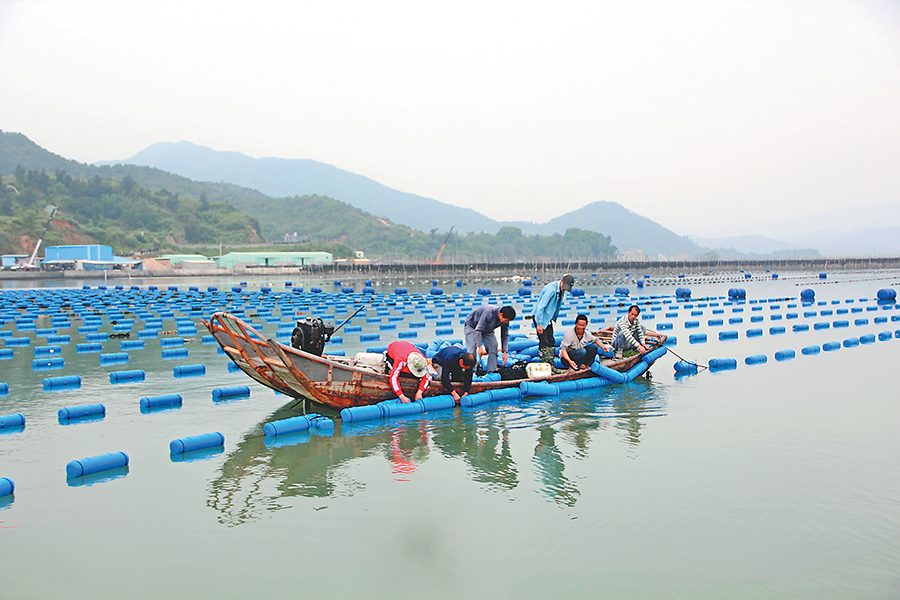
{"x":467,"y":360}
{"x":581,"y":322}
{"x":633,"y":312}
{"x":507,"y":314}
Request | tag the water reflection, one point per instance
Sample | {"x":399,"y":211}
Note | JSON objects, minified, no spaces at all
{"x":263,"y":474}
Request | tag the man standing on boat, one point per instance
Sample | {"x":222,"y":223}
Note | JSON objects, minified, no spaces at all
{"x":403,"y":357}
{"x":479,"y":331}
{"x":578,"y":347}
{"x":454,"y":364}
{"x":628,"y":334}
{"x":547,"y":311}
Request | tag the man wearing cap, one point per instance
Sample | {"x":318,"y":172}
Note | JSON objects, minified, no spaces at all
{"x":403,"y":357}
{"x":546,"y":311}
{"x":479,"y":331}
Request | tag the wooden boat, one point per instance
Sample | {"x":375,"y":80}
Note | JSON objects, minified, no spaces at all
{"x":336,"y":381}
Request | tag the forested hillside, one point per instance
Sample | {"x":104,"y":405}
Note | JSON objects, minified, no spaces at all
{"x":120,"y":214}
{"x":134,"y":208}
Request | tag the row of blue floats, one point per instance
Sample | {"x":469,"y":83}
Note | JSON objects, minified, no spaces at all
{"x":102,"y":307}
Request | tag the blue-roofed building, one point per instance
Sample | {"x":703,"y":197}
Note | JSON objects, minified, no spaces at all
{"x":85,"y":257}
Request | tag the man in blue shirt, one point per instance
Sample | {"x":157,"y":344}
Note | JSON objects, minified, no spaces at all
{"x":455,"y":364}
{"x":546,"y":311}
{"x":479,"y":330}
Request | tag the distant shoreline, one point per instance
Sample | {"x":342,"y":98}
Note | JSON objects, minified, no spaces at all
{"x":379,"y":270}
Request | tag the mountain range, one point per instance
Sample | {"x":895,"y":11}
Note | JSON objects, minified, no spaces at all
{"x":279,"y":177}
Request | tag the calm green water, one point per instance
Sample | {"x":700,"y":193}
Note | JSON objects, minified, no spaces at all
{"x":770,"y":481}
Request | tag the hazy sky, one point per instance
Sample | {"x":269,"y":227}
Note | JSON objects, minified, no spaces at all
{"x":697,"y":114}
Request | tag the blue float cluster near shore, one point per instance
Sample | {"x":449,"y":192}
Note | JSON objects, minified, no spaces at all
{"x":139,"y":320}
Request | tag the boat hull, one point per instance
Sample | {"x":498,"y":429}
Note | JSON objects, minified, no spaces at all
{"x":335,"y":381}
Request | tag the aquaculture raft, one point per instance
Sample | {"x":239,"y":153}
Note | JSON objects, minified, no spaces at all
{"x":335,"y":381}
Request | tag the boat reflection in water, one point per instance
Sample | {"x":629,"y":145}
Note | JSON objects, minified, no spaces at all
{"x":262,"y":474}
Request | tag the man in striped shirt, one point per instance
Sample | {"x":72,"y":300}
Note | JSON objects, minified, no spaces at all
{"x":628,"y":334}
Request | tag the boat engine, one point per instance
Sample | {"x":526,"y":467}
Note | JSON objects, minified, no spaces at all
{"x":311,"y":335}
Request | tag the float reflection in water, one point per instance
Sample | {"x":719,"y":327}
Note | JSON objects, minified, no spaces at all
{"x":262,"y":475}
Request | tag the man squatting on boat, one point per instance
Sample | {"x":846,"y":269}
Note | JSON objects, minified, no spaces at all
{"x":628,"y":334}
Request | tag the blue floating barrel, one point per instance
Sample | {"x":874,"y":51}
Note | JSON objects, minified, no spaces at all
{"x":443,"y":331}
{"x":290,"y":425}
{"x":697,"y":338}
{"x":369,"y":337}
{"x":861,"y":322}
{"x":810,"y":350}
{"x":840,"y":323}
{"x":538,"y":388}
{"x":682,"y":292}
{"x":800,"y":327}
{"x":884,"y":336}
{"x":127,"y":376}
{"x":776,"y":330}
{"x":6,"y":353}
{"x":163,"y":400}
{"x":851,"y":342}
{"x":196,"y":442}
{"x":96,"y":337}
{"x":728,"y":335}
{"x":355,"y":414}
{"x":808,"y":295}
{"x":20,"y":341}
{"x":436,"y":291}
{"x":187,"y":370}
{"x":230,"y":391}
{"x":432,"y":403}
{"x":622,"y":291}
{"x":510,"y":393}
{"x":867,"y":339}
{"x":691,"y":324}
{"x":95,"y":464}
{"x":636,"y":371}
{"x":61,"y":383}
{"x":132,"y":345}
{"x":720,"y":364}
{"x":652,"y":356}
{"x":174,"y":353}
{"x":42,"y":364}
{"x":524,"y":291}
{"x":475,"y":399}
{"x":76,"y":412}
{"x":483,"y":291}
{"x":755,"y":332}
{"x":831,"y":346}
{"x":606,"y":373}
{"x":887,"y":294}
{"x":11,"y":421}
{"x":756,"y":359}
{"x":401,"y":409}
{"x":114,"y":358}
{"x":42,"y":351}
{"x":171,"y":342}
{"x":683,"y":366}
{"x":821,"y":325}
{"x":785,"y":355}
{"x":737,"y":294}
{"x":7,"y":486}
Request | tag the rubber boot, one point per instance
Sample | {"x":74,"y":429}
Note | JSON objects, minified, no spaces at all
{"x":547,"y":355}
